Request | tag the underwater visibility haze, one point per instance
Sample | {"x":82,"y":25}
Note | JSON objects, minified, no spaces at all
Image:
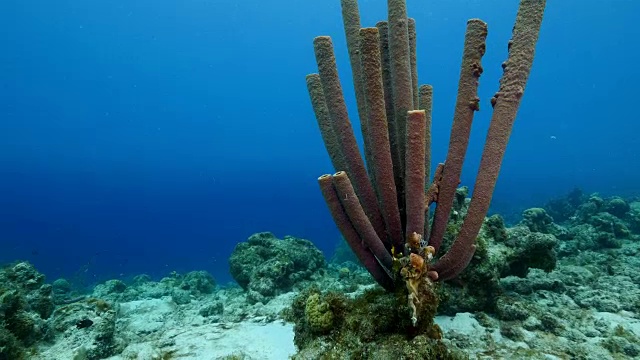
{"x":156,"y":137}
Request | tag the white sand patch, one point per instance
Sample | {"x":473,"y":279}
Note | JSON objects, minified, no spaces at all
{"x":258,"y":341}
{"x":625,"y":319}
{"x":462,"y":323}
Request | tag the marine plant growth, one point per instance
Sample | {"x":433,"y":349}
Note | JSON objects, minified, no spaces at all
{"x":380,"y":203}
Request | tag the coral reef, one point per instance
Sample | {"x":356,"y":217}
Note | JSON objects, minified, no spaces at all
{"x":25,"y":306}
{"x":595,"y":222}
{"x":39,"y":319}
{"x":181,"y":288}
{"x":166,"y":319}
{"x":88,"y":327}
{"x":524,"y":297}
{"x":500,"y":252}
{"x":364,"y":327}
{"x":266,"y":266}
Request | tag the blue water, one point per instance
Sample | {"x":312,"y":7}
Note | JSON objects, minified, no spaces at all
{"x":151,"y":136}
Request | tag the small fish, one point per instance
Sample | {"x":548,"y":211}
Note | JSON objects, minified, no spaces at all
{"x":84,"y":323}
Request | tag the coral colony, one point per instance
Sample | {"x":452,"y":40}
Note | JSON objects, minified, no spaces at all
{"x":382,"y":208}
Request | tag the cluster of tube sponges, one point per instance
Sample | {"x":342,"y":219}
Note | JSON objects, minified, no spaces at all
{"x":381,"y":202}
